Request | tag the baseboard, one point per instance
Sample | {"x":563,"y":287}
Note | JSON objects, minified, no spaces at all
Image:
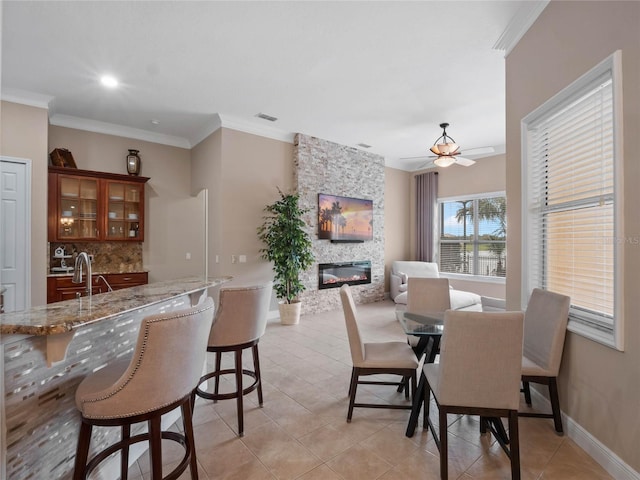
{"x":607,"y":459}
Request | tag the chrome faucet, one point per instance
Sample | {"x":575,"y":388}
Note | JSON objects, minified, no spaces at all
{"x":82,"y":257}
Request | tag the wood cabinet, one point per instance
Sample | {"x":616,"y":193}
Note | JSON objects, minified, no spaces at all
{"x":95,"y":206}
{"x":62,"y":288}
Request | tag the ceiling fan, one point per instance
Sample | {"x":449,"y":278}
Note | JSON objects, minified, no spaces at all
{"x":446,"y":152}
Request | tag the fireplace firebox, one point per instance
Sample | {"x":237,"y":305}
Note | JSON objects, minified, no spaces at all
{"x":334,"y":275}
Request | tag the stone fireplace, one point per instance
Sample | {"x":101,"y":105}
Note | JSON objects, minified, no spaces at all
{"x":325,"y":167}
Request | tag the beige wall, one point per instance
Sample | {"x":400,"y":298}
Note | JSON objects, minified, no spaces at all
{"x":599,"y":386}
{"x":485,"y":176}
{"x":397,"y":219}
{"x":173,"y":217}
{"x":243,"y":173}
{"x":23,"y":131}
{"x":206,"y":164}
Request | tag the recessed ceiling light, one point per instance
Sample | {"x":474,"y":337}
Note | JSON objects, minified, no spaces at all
{"x":109,"y":81}
{"x":364,"y":145}
{"x":155,"y":122}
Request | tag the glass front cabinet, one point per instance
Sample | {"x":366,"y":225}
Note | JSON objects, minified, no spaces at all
{"x":92,"y":206}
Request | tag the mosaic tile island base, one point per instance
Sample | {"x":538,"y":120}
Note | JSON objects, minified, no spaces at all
{"x":41,"y":421}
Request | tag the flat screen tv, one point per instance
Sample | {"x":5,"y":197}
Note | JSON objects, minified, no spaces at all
{"x":344,"y":219}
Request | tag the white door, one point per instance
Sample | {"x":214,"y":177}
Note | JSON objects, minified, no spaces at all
{"x":15,"y":241}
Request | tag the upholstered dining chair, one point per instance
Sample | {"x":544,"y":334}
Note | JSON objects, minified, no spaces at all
{"x":159,"y":377}
{"x":545,"y":327}
{"x":395,"y":358}
{"x":427,"y":295}
{"x":240,"y":321}
{"x":478,"y":374}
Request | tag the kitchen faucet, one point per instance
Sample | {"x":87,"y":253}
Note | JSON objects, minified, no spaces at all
{"x":82,"y":257}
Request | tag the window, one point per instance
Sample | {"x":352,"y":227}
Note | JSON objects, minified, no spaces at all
{"x":571,"y":201}
{"x":473,"y":235}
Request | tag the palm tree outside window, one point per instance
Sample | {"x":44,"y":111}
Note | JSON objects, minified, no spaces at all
{"x":473,"y":235}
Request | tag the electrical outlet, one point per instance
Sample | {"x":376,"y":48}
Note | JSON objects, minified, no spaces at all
{"x":234,"y":259}
{"x":242,"y":258}
{"x":188,"y":256}
{"x":217,"y":258}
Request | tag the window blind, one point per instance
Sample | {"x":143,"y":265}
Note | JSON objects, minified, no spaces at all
{"x":570,"y":201}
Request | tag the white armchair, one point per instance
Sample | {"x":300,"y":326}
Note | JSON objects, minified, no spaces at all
{"x":401,"y":271}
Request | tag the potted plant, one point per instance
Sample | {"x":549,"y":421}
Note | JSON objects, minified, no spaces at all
{"x":288,"y":246}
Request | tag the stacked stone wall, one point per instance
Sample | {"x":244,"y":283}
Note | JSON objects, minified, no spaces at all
{"x":321,"y":166}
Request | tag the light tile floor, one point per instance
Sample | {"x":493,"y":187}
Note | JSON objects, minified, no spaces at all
{"x":301,"y":432}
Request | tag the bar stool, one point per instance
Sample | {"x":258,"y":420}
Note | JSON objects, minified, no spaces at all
{"x":159,"y":377}
{"x":240,"y":321}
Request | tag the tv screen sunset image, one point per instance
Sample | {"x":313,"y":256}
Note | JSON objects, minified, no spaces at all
{"x":344,"y":218}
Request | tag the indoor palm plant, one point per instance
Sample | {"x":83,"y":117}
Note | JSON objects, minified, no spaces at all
{"x":288,"y":246}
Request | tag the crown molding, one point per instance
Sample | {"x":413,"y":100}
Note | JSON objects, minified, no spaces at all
{"x":25,"y":97}
{"x":520,"y":23}
{"x":210,"y":127}
{"x":117,"y":130}
{"x":267,"y":131}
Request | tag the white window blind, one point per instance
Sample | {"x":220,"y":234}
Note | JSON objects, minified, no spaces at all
{"x":570,"y":208}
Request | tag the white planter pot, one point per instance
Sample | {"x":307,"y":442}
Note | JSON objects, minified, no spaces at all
{"x":289,"y":312}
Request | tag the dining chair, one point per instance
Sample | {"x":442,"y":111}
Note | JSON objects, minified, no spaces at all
{"x":478,"y":374}
{"x":239,"y":323}
{"x":159,"y":377}
{"x":375,"y":358}
{"x":545,"y":327}
{"x":427,"y":295}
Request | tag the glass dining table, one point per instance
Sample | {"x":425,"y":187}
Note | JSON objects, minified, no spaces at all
{"x":428,"y":327}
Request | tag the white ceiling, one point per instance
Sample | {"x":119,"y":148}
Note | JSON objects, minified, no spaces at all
{"x":380,"y":73}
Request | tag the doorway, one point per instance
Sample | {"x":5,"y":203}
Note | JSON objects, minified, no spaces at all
{"x":15,"y":238}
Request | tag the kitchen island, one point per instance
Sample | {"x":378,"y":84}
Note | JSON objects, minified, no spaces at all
{"x":48,"y":350}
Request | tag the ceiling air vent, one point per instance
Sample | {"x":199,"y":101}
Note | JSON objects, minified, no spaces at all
{"x":264,"y":116}
{"x":363,"y":145}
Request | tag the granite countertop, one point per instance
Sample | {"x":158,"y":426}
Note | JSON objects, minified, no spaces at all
{"x":94,"y":273}
{"x":61,"y":317}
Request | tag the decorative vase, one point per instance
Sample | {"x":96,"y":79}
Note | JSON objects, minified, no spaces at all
{"x":289,"y":312}
{"x":133,"y":162}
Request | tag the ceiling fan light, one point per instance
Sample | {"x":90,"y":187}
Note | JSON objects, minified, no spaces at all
{"x":444,"y":161}
{"x":445,"y":149}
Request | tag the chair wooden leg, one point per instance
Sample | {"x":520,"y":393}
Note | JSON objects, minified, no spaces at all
{"x":414,"y":386}
{"x":555,"y":404}
{"x":527,"y":392}
{"x":514,"y":445}
{"x":355,"y":374}
{"x":256,"y":367}
{"x":155,"y":450}
{"x":239,"y":402}
{"x":427,"y":401}
{"x":405,"y":381}
{"x":483,"y":424}
{"x":124,"y":454}
{"x":82,"y":452}
{"x":217,"y":377}
{"x":187,"y":419}
{"x":444,"y":467}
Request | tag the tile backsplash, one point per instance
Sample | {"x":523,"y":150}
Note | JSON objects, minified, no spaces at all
{"x":108,"y":257}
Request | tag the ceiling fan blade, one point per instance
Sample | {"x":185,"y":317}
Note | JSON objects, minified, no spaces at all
{"x":480,"y":151}
{"x":465,"y":162}
{"x":427,"y":164}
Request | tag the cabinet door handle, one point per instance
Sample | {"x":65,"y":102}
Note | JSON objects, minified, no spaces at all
{"x":126,"y":279}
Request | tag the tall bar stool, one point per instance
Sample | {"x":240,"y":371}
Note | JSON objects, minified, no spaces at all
{"x":159,"y":377}
{"x":240,"y":321}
